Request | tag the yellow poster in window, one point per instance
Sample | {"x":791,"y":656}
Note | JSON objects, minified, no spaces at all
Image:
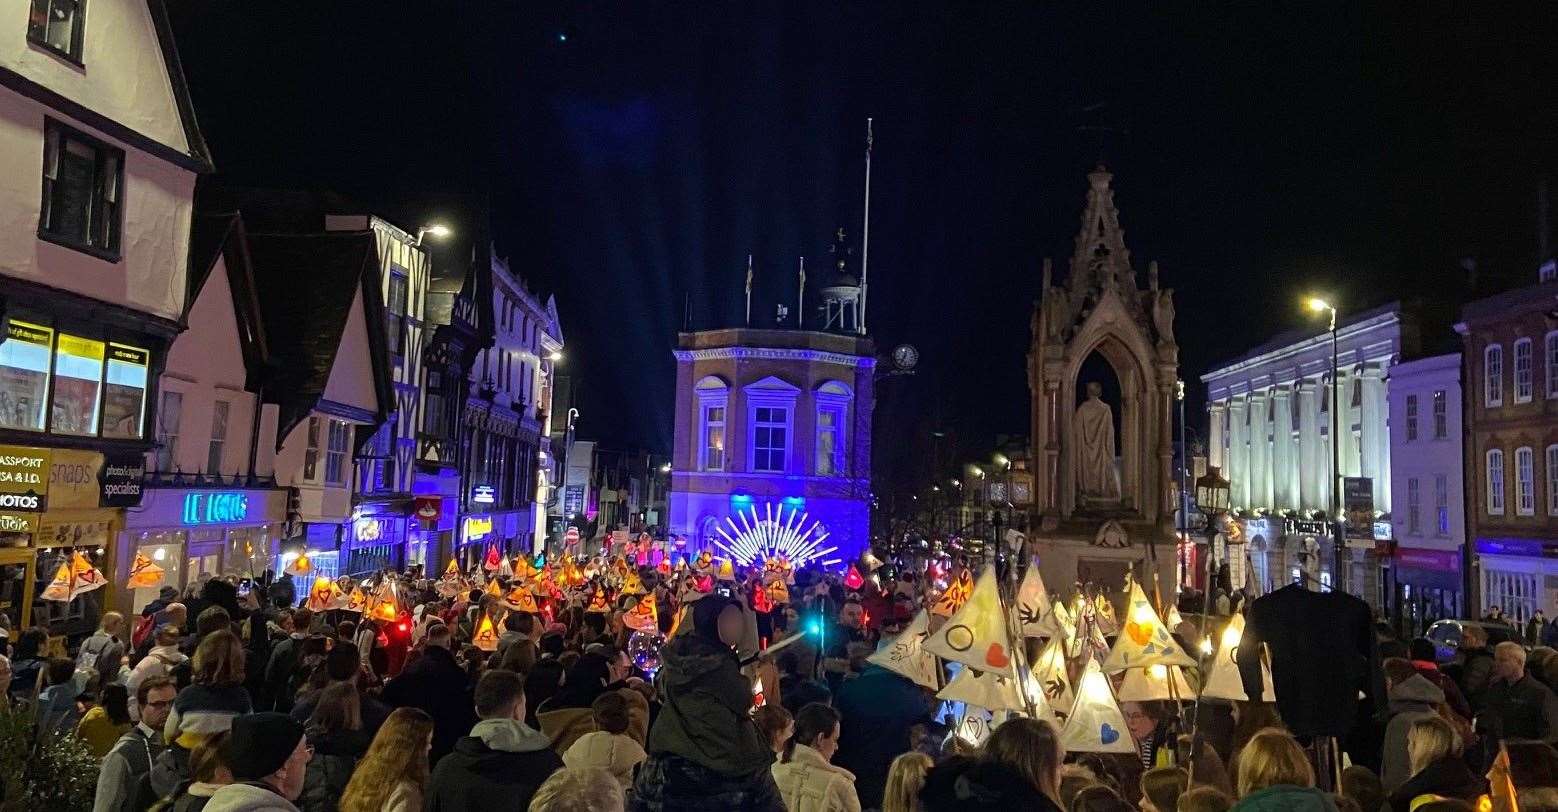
{"x":81,"y":347}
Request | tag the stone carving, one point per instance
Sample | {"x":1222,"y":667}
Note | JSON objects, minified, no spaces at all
{"x":1093,"y":433}
{"x":1163,"y":314}
{"x":1111,"y":535}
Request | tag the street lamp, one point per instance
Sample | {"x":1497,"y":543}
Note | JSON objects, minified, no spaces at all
{"x":438,"y":230}
{"x":1319,"y":305}
{"x":1212,"y":492}
{"x":555,"y":356}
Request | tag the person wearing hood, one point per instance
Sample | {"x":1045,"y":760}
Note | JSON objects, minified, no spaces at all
{"x":1423,"y":653}
{"x":503,"y":758}
{"x":268,"y":758}
{"x":705,"y":752}
{"x":1412,"y":697}
{"x":1434,"y":749}
{"x":567,"y":716}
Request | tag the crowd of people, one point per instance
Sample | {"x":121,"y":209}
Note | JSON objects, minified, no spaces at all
{"x":219,"y":701}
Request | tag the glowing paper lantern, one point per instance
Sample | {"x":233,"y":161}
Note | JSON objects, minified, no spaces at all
{"x":955,"y":595}
{"x":486,"y":637}
{"x":1033,"y":605}
{"x":356,"y":600}
{"x":976,"y":634}
{"x":853,"y":579}
{"x":1155,"y":682}
{"x":598,"y":604}
{"x":494,"y":589}
{"x":726,"y":571}
{"x":520,"y":599}
{"x":144,"y":573}
{"x":644,"y":616}
{"x":985,"y":689}
{"x":1050,"y":673}
{"x":323,"y":594}
{"x":1224,"y":680}
{"x":1144,"y":640}
{"x":59,"y":588}
{"x":492,"y":561}
{"x":1096,"y":724}
{"x":906,"y":654}
{"x":300,"y":566}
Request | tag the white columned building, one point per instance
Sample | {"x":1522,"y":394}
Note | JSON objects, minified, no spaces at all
{"x":1270,"y":431}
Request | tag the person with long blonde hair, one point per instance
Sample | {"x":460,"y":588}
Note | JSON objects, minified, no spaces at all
{"x":1434,"y":750}
{"x":905,"y":778}
{"x":1275,"y":774}
{"x":393,"y":774}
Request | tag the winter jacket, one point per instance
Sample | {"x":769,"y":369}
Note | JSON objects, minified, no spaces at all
{"x":283,"y":663}
{"x":808,"y":783}
{"x":1286,"y":798}
{"x":670,"y":783}
{"x":1476,"y":672}
{"x":705,"y":710}
{"x":99,"y":731}
{"x":329,"y":771}
{"x":123,"y":784}
{"x":374,"y":712}
{"x":437,"y":684}
{"x":158,"y":662}
{"x":1410,"y":700}
{"x":1524,"y":709}
{"x":618,"y":754}
{"x":1452,"y":692}
{"x":248,"y":797}
{"x":192,"y":796}
{"x":501,"y":759}
{"x":57,"y":713}
{"x":200,"y":710}
{"x":878,"y":709}
{"x":1447,"y":777}
{"x":564,"y":725}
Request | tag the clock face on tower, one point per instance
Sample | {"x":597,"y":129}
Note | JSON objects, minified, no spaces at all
{"x":905,"y":356}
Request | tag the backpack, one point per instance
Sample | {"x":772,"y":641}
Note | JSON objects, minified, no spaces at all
{"x":144,"y":626}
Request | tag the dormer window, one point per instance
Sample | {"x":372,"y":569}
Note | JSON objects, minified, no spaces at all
{"x":58,"y":25}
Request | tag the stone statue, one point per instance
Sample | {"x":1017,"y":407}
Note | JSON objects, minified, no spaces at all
{"x":1163,"y":314}
{"x":1093,"y":431}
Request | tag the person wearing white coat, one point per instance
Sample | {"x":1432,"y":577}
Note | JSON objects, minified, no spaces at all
{"x":807,"y":780}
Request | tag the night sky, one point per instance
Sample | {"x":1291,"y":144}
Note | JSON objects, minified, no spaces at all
{"x":633,"y":154}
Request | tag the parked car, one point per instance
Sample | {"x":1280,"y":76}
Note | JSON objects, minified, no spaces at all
{"x":1446,"y":635}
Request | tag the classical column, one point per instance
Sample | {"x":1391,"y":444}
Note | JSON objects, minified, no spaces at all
{"x":1238,"y":453}
{"x":1375,"y":437}
{"x":1349,"y":446}
{"x":1260,"y":450}
{"x":1312,"y":493}
{"x":1216,"y":413}
{"x":1282,"y":467}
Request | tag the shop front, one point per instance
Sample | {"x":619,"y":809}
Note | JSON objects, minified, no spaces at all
{"x":194,"y":534}
{"x":476,"y":533}
{"x":375,"y":542}
{"x":1427,"y":587}
{"x":1518,"y":575}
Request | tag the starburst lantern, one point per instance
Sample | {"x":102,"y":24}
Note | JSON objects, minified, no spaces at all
{"x":1096,"y":724}
{"x":1224,"y":681}
{"x":1145,"y":640}
{"x":778,"y":531}
{"x":1155,"y":682}
{"x":144,"y":573}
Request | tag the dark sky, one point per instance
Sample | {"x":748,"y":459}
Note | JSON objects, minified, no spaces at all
{"x":634,"y":153}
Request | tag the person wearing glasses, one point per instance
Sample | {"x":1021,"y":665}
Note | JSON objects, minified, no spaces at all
{"x":122,"y":786}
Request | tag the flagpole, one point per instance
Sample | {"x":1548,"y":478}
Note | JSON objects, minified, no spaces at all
{"x":865,"y":237}
{"x":800,"y":298}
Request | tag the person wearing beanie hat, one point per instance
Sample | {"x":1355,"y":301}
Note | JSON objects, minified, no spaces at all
{"x":268,"y":759}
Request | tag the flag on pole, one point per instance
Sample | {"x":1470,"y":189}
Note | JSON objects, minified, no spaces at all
{"x":1224,"y":680}
{"x":1096,"y":724}
{"x":906,"y":654}
{"x":1144,"y":640}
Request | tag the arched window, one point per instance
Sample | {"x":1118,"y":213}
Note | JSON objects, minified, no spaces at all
{"x":831,"y":441}
{"x":713,"y":404}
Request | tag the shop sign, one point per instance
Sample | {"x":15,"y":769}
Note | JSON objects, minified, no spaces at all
{"x":476,"y":527}
{"x":216,"y":507}
{"x":18,"y":523}
{"x":79,"y":528}
{"x":368,"y":529}
{"x":73,"y":479}
{"x":1384,"y":531}
{"x":428,"y":509}
{"x":24,"y":477}
{"x":573,"y":500}
{"x":1447,"y":560}
{"x":1358,"y":506}
{"x":484,"y":494}
{"x":122,"y":480}
{"x":1531,"y":548}
{"x":1305,"y":527}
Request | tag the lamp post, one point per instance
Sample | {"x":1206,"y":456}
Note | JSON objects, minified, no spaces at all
{"x":438,"y":230}
{"x":1319,"y":305}
{"x":1212,"y":497}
